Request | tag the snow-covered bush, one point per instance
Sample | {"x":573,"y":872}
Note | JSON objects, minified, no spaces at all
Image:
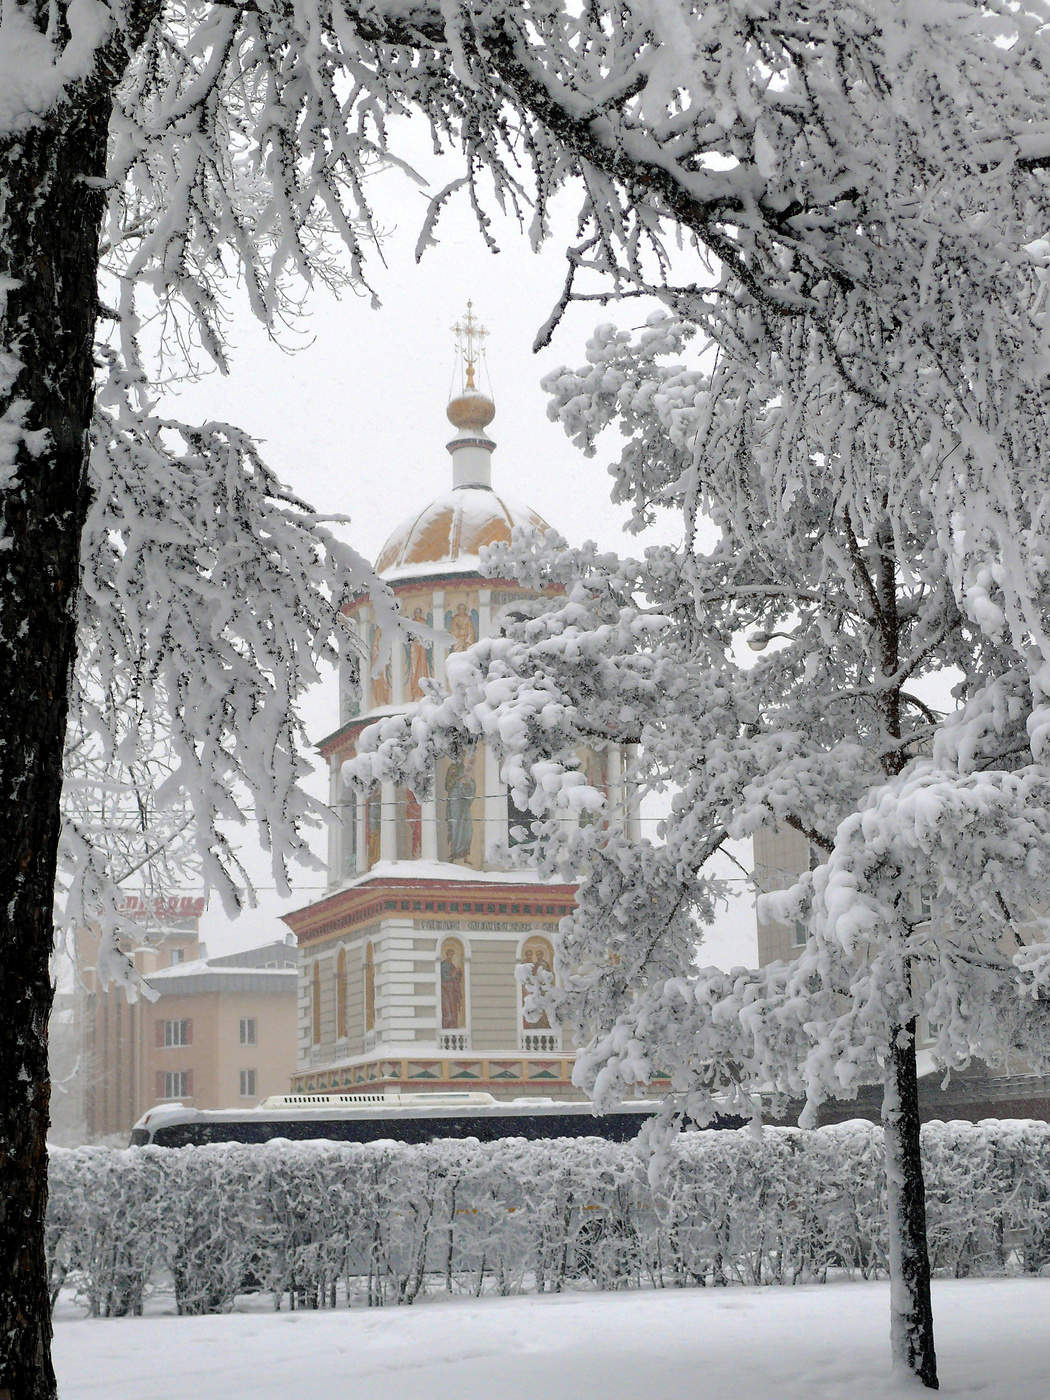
{"x":319,"y":1223}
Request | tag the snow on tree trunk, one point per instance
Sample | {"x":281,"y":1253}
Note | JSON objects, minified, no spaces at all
{"x":51,"y":202}
{"x":911,"y":1311}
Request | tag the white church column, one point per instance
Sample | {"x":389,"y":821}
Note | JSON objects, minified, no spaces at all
{"x":633,"y":824}
{"x":614,"y":778}
{"x":497,"y":831}
{"x":429,"y":833}
{"x":362,"y":836}
{"x":484,"y":612}
{"x":388,"y":823}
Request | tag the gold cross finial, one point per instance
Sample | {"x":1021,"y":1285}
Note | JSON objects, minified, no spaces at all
{"x":470,"y":335}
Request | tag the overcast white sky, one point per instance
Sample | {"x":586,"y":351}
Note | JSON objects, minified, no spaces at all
{"x":355,"y":422}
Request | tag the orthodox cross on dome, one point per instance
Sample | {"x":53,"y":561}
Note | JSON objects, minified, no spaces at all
{"x":470,"y":336}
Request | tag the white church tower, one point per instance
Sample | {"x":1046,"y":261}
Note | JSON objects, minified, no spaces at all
{"x":407,"y":964}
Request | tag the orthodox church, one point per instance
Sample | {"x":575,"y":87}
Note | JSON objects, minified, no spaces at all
{"x":407,"y":967}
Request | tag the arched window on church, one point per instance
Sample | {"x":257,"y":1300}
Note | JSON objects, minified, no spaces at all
{"x":315,"y":1002}
{"x":452,"y":980}
{"x":538,"y":954}
{"x":370,"y":994}
{"x":340,"y":995}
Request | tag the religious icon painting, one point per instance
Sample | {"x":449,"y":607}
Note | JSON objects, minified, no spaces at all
{"x":411,"y":826}
{"x":537,"y":954}
{"x":382,"y":678}
{"x":419,"y":658}
{"x":460,"y":789}
{"x":452,"y":973}
{"x":461,"y":622}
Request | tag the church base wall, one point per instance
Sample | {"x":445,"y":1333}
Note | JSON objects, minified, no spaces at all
{"x":504,"y":1078}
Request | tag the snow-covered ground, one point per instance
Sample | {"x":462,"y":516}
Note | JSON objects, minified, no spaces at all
{"x":816,"y":1343}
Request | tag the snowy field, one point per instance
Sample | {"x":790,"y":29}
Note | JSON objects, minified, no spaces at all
{"x":815,"y":1343}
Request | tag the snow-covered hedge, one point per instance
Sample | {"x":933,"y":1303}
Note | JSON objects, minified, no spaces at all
{"x":322,"y":1223}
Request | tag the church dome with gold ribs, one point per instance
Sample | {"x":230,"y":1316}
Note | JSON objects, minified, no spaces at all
{"x":448,"y":534}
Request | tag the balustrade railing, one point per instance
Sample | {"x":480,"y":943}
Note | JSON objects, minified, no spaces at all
{"x":547,"y":1042}
{"x":454,"y":1040}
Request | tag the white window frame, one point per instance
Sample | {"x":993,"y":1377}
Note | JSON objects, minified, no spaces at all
{"x":176,"y":1036}
{"x":175,"y":1086}
{"x":248,"y":1082}
{"x":249,"y":1030}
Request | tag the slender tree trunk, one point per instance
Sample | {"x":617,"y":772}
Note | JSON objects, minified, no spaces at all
{"x":911,"y":1310}
{"x":51,"y":203}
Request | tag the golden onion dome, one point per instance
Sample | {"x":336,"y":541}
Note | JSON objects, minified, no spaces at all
{"x":448,"y":534}
{"x":471,"y":411}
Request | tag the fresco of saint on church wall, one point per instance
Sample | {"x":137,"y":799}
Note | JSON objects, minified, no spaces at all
{"x":382,"y":679}
{"x":461,"y":836}
{"x":409,"y":825}
{"x":419,"y":658}
{"x":539,"y":955}
{"x":453,"y":977}
{"x":461,"y":623}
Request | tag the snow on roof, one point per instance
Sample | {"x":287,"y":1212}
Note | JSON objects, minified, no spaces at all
{"x":440,"y":870}
{"x":424,"y":568}
{"x":448,"y":534}
{"x":201,"y":967}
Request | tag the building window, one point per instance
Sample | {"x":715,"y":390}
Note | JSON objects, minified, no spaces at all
{"x":799,"y":933}
{"x":177,"y":955}
{"x":247,"y":1084}
{"x":174,"y":1033}
{"x":174,"y":1084}
{"x":248,"y":1030}
{"x":340,"y":995}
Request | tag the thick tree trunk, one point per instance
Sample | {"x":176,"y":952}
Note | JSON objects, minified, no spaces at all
{"x":911,"y":1311}
{"x":51,"y":203}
